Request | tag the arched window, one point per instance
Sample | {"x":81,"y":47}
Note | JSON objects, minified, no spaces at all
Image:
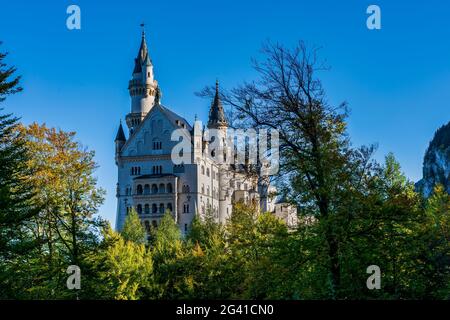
{"x":147,"y":226}
{"x":186,"y":208}
{"x":139,"y":209}
{"x":162,"y":188}
{"x":146,"y":189}
{"x":154,"y":188}
{"x":139,"y":189}
{"x":161,"y":208}
{"x":169,"y":207}
{"x":203,"y":170}
{"x":154,"y":208}
{"x":207,"y":172}
{"x":154,"y":224}
{"x":157,"y":145}
{"x":147,"y":209}
{"x":203,"y":188}
{"x":169,"y":188}
{"x":207,"y":191}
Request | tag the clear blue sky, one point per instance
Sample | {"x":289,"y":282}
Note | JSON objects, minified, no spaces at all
{"x":395,"y":80}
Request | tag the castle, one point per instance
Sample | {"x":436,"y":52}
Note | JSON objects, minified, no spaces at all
{"x":152,"y":183}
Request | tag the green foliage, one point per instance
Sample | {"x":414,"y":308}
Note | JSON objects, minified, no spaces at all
{"x":120,"y":269}
{"x":353,"y":213}
{"x":133,"y":229}
{"x":16,"y":197}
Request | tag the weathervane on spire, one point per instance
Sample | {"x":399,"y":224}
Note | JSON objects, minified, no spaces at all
{"x":143,"y":28}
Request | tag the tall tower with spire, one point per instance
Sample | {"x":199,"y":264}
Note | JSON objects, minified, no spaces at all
{"x":217,"y":119}
{"x":142,"y":87}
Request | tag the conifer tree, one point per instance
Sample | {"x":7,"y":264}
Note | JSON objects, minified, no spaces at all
{"x":16,"y":206}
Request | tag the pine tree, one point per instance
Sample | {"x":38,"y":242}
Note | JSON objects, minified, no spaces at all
{"x":16,"y":205}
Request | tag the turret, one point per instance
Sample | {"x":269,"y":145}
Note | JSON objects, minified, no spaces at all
{"x":120,"y":139}
{"x":142,"y":86}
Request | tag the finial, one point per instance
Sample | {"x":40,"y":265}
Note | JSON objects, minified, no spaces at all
{"x":143,"y":29}
{"x":195,"y":119}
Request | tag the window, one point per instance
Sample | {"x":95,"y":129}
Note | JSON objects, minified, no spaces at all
{"x":169,"y":207}
{"x":178,"y":168}
{"x":139,"y":209}
{"x":161,"y":208}
{"x":203,"y":188}
{"x":185,"y":227}
{"x":135,"y":171}
{"x":139,"y":189}
{"x":207,"y":190}
{"x":203,"y":170}
{"x":147,"y":226}
{"x":169,"y":188}
{"x":146,"y":189}
{"x":207,"y":172}
{"x":157,"y":169}
{"x":154,"y":224}
{"x":162,"y":188}
{"x":147,"y":209}
{"x":154,"y":189}
{"x":154,"y":208}
{"x":185,"y":188}
{"x":186,"y":208}
{"x":157,"y":145}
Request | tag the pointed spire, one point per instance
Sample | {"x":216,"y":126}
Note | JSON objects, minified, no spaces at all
{"x":143,"y":56}
{"x":216,"y":113}
{"x":120,"y":134}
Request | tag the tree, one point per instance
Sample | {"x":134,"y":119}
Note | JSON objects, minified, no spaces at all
{"x":120,"y":269}
{"x":133,"y":229}
{"x":16,"y":197}
{"x":314,"y":148}
{"x":67,"y":195}
{"x":434,"y":255}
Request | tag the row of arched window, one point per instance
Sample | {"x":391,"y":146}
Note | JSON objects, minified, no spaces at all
{"x":154,"y":189}
{"x":135,"y":171}
{"x":157,"y":145}
{"x":207,"y":172}
{"x":146,"y":209}
{"x":215,"y":194}
{"x":157,"y":169}
{"x":146,"y":189}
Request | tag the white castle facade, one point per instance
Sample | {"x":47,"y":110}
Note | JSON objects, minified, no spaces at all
{"x":152,"y":183}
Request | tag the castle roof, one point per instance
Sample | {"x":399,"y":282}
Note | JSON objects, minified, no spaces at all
{"x":142,"y":57}
{"x":120,"y":134}
{"x":216,"y":113}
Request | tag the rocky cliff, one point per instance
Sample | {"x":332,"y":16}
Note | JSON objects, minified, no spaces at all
{"x":436,"y":164}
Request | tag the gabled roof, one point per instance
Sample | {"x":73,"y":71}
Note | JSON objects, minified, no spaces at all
{"x":170,"y":115}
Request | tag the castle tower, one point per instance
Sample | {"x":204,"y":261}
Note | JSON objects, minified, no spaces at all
{"x":218,"y":126}
{"x":142,"y":86}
